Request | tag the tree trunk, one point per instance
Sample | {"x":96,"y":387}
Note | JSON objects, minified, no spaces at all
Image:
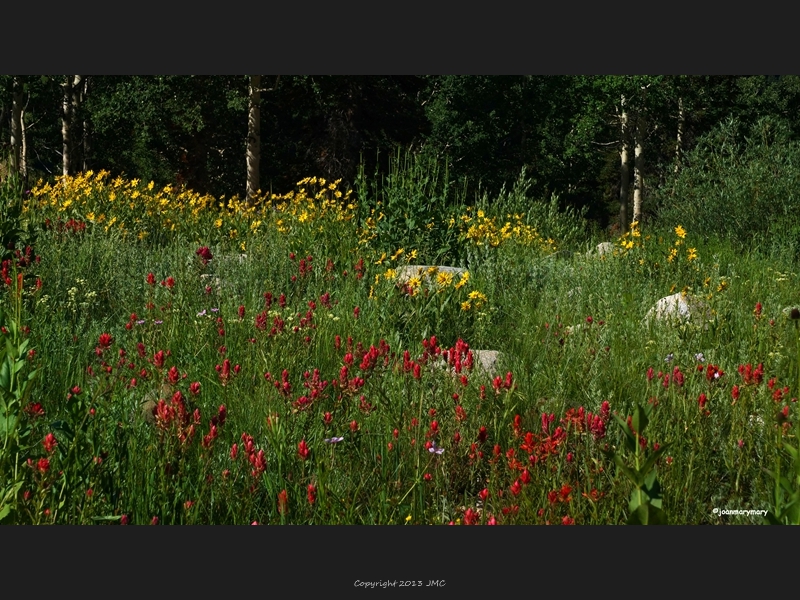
{"x":85,"y":126}
{"x":638,"y":166}
{"x":23,"y":158}
{"x":16,"y":127}
{"x":679,"y":138}
{"x":66,"y":125}
{"x":253,"y":138}
{"x":625,"y":173}
{"x":73,"y":87}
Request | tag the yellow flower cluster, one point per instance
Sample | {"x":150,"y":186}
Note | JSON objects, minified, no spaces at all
{"x":691,"y":253}
{"x":487,"y":231}
{"x":476,"y":301}
{"x":316,"y":201}
{"x":630,"y":239}
{"x":131,"y":206}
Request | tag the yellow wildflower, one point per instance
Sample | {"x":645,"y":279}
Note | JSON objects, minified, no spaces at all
{"x":397,"y":254}
{"x":465,"y":306}
{"x":381,"y":259}
{"x":444,"y":279}
{"x":680,"y":231}
{"x":692,"y":254}
{"x":413,"y":285}
{"x":672,"y":254}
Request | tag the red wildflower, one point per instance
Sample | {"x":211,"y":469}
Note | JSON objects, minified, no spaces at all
{"x":105,"y":340}
{"x":482,"y":434}
{"x":311,"y":493}
{"x":49,"y":443}
{"x":471,"y":517}
{"x":205,"y":254}
{"x":283,"y":502}
{"x":302,"y":450}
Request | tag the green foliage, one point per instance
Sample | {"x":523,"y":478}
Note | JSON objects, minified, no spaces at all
{"x":14,"y":230}
{"x":740,"y":184}
{"x":645,"y":504}
{"x":411,"y":206}
{"x":16,"y":384}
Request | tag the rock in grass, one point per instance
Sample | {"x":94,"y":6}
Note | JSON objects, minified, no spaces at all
{"x":148,"y":404}
{"x":602,"y":249}
{"x":486,"y":362}
{"x":680,"y":307}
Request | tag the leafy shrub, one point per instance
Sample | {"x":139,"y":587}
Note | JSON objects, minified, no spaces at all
{"x":739,"y":186}
{"x":410,"y":208}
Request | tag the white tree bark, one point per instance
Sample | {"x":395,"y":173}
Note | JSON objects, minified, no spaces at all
{"x":638,"y":169}
{"x":16,"y":126}
{"x":66,"y":125}
{"x":253,"y":137}
{"x":23,"y":159}
{"x":85,"y":126}
{"x":679,"y":137}
{"x":625,"y":173}
{"x":73,"y":85}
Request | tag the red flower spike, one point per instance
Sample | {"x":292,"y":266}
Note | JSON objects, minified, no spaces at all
{"x":302,"y":450}
{"x":283,"y":502}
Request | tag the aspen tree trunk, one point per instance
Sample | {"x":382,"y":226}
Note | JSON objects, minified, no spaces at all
{"x":73,"y":87}
{"x":679,"y":137}
{"x":625,"y":174}
{"x":253,"y":137}
{"x":16,"y":127}
{"x":23,"y":159}
{"x":85,"y":126}
{"x":638,"y":169}
{"x":66,"y":125}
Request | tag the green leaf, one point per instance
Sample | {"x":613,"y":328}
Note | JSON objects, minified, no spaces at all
{"x":64,"y":428}
{"x":653,"y":458}
{"x":632,"y":475}
{"x":647,"y":514}
{"x":7,"y":424}
{"x":640,"y":420}
{"x":630,"y":440}
{"x":5,"y":376}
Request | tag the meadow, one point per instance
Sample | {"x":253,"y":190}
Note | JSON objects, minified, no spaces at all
{"x":172,"y":358}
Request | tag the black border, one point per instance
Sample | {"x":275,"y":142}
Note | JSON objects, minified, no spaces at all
{"x":473,"y":562}
{"x":411,"y":38}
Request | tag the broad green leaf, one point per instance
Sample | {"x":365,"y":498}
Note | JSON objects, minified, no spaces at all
{"x":640,"y":420}
{"x":632,"y":475}
{"x":651,"y":460}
